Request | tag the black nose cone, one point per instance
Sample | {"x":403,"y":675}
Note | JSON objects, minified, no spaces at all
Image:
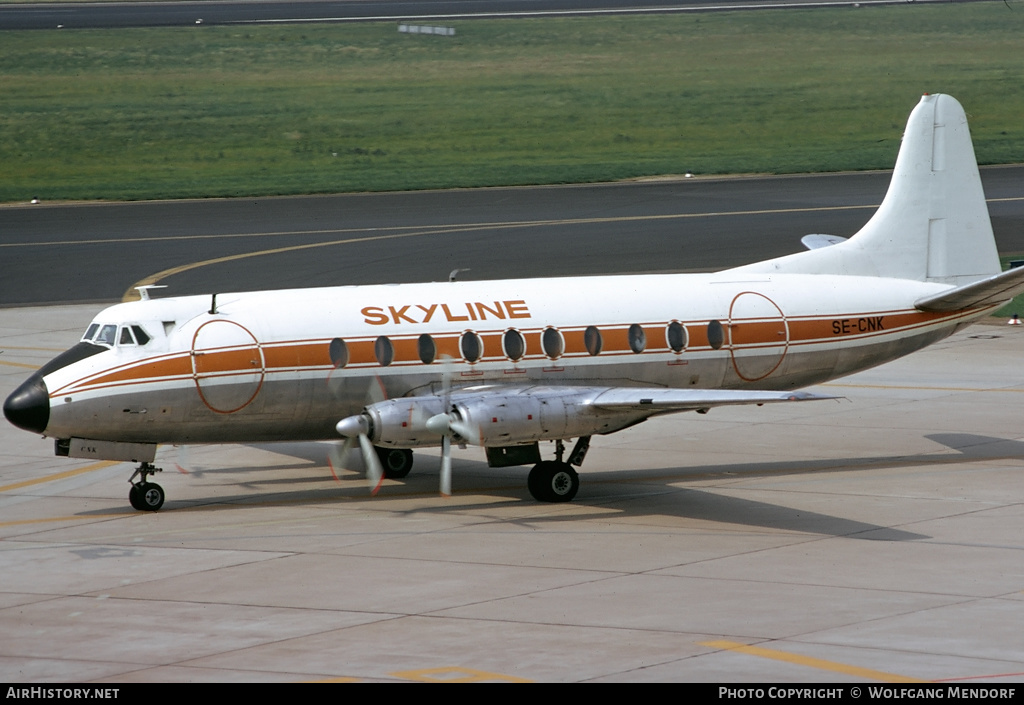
{"x":28,"y":407}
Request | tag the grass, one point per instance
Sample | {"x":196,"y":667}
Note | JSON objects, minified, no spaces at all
{"x":226,"y":111}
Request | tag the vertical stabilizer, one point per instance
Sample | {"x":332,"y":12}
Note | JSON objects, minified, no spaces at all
{"x":933,"y":224}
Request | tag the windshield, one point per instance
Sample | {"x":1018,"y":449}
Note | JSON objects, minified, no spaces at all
{"x":107,"y":334}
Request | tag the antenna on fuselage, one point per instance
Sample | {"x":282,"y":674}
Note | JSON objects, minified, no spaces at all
{"x":144,"y":290}
{"x":213,"y":305}
{"x":455,"y":273}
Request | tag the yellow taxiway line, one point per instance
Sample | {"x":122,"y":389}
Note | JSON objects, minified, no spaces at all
{"x":810,"y":662}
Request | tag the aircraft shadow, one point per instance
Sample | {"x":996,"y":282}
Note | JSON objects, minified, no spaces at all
{"x":639,"y":493}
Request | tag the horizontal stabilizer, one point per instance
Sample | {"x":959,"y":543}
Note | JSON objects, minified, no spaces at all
{"x":987,"y":292}
{"x":817,"y":241}
{"x":665,"y":400}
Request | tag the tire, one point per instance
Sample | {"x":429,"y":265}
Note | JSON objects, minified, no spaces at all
{"x":551,"y":481}
{"x":135,"y":497}
{"x":151,"y":496}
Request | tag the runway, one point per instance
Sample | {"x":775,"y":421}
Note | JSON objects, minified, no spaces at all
{"x":872,"y":539}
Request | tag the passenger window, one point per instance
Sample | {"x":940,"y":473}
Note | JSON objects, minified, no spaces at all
{"x":384,"y":351}
{"x":471,"y":346}
{"x":637,"y":338}
{"x":514,"y":344}
{"x":338,"y":352}
{"x":676,"y":336}
{"x":592,"y":340}
{"x":552,"y":342}
{"x":716,"y":334}
{"x":427,"y":349}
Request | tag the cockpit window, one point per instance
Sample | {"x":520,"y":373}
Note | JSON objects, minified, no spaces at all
{"x":106,"y":335}
{"x":130,"y":335}
{"x":140,"y":335}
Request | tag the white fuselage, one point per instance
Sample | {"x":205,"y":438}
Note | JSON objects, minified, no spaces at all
{"x":276,"y":365}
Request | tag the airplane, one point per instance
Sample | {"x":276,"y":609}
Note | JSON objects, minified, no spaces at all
{"x":507,"y":364}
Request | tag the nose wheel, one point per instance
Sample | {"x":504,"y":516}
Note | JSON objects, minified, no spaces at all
{"x":144,"y":495}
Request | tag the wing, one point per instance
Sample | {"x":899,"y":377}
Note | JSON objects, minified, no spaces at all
{"x":658,"y":401}
{"x":499,"y":415}
{"x":504,"y":417}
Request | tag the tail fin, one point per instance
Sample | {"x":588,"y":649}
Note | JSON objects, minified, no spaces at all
{"x":933,"y":224}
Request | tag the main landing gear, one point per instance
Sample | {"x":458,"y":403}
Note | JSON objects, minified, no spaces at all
{"x":557,"y":480}
{"x":144,"y":495}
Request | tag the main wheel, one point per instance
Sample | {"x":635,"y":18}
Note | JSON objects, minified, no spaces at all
{"x":397,"y":462}
{"x":552,"y":481}
{"x":135,"y":497}
{"x":150,"y":496}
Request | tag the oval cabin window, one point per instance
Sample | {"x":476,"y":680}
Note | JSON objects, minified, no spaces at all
{"x":471,"y":346}
{"x":338,"y":352}
{"x":514,"y":344}
{"x":384,"y":351}
{"x":675,"y":336}
{"x":552,"y":342}
{"x":637,"y":338}
{"x":716,"y":334}
{"x":427,"y":349}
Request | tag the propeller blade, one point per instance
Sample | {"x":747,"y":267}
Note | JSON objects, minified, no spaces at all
{"x":463,"y":429}
{"x":441,"y":424}
{"x":337,"y":458}
{"x":446,"y":466}
{"x":374,"y":471}
{"x":184,"y":463}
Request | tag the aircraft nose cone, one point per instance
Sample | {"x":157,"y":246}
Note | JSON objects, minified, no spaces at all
{"x":28,"y":407}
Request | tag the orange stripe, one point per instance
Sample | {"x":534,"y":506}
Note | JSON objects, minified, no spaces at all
{"x":313,"y":354}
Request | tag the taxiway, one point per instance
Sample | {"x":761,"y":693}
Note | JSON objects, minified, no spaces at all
{"x":873,"y":539}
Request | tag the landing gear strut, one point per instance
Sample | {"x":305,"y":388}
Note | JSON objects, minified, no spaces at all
{"x":145,"y":496}
{"x":557,"y":480}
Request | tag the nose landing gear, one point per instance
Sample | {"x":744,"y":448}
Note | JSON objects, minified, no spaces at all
{"x":144,"y":495}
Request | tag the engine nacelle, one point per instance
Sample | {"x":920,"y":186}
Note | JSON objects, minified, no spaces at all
{"x":525,"y":417}
{"x":493,"y":419}
{"x":401,"y":423}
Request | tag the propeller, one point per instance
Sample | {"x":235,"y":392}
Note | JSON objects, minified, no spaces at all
{"x":441,"y":424}
{"x":348,"y":390}
{"x":448,"y":424}
{"x":356,"y":429}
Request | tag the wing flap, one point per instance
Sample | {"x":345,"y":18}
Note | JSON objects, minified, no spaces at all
{"x":987,"y":292}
